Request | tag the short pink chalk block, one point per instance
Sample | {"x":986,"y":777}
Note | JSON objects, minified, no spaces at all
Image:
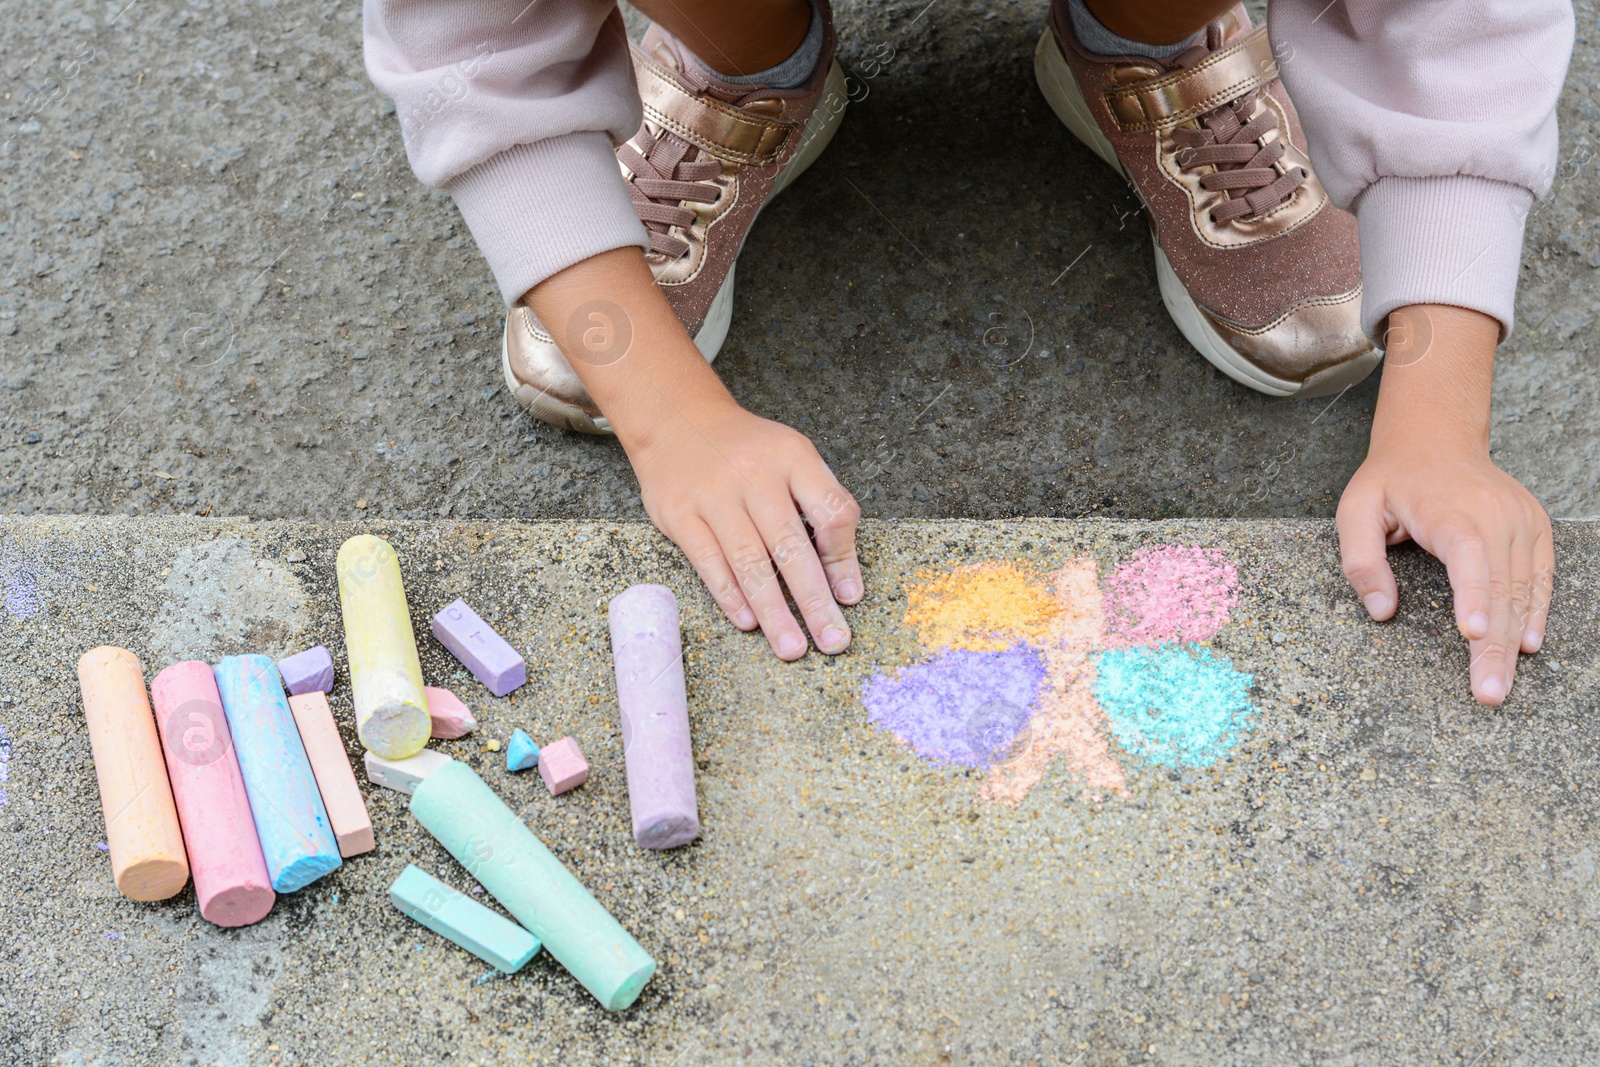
{"x":451,"y":718}
{"x":562,"y":766}
{"x":330,"y":764}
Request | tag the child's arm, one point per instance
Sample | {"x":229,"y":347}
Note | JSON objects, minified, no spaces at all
{"x":734,"y":491}
{"x":515,"y":109}
{"x":1435,"y":123}
{"x":1428,"y":477}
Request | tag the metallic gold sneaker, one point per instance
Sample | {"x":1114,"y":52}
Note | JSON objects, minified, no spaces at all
{"x":1260,"y":272}
{"x":708,"y":158}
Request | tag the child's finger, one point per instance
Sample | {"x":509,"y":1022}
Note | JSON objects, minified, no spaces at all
{"x":758,"y":580}
{"x":1364,"y":554}
{"x":1466,"y":561}
{"x":1544,"y":568}
{"x":791,"y":549}
{"x":833,"y":514}
{"x":700,"y":545}
{"x":1493,"y":667}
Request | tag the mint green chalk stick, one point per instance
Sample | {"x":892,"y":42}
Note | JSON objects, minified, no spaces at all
{"x":487,"y":838}
{"x":491,"y":937}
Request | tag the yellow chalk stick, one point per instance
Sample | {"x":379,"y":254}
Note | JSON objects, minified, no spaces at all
{"x":147,"y":857}
{"x":385,"y":675}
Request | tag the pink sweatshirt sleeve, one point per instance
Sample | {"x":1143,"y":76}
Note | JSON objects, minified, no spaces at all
{"x":1435,"y":122}
{"x":514,"y":108}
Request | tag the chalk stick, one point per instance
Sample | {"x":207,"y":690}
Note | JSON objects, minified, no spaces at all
{"x":488,"y":935}
{"x":646,"y":649}
{"x":562,"y":766}
{"x":385,"y":675}
{"x":521,"y":752}
{"x":451,"y":718}
{"x":482,"y":651}
{"x":402,"y":775}
{"x":347,"y":812}
{"x":506,"y":857}
{"x":147,"y":856}
{"x":308,"y":671}
{"x":296,"y":837}
{"x":230,"y":873}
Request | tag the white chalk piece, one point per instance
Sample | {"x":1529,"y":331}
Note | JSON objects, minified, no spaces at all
{"x":488,"y":935}
{"x":402,"y":775}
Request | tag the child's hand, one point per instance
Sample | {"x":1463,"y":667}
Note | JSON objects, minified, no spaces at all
{"x":731,"y":492}
{"x":1428,"y":477}
{"x":1490,"y":533}
{"x":736,"y":492}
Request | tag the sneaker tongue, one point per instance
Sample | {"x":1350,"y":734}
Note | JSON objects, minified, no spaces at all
{"x":1216,"y":37}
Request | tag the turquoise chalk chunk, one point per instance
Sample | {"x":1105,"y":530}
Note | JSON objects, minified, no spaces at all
{"x":491,"y":937}
{"x":296,"y":838}
{"x":521,"y":752}
{"x":488,"y":839}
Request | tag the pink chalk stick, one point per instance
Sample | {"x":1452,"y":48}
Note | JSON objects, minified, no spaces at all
{"x":219,"y":833}
{"x":451,"y":718}
{"x":562,"y":766}
{"x":347,"y":812}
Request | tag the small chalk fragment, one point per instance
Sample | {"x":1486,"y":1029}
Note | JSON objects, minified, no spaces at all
{"x":402,"y":775}
{"x":521,"y":752}
{"x":352,"y":826}
{"x":562,"y":766}
{"x":486,"y":934}
{"x":482,"y":651}
{"x":451,"y":718}
{"x":307,"y":672}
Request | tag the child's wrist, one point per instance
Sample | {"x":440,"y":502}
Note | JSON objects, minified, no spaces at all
{"x":1437,"y":377}
{"x":659,"y":415}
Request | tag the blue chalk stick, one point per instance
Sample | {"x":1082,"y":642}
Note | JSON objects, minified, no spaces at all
{"x":486,"y":934}
{"x":521,"y":752}
{"x":296,"y":837}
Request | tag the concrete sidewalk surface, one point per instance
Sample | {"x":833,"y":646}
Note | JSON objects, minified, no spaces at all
{"x":223,"y":292}
{"x":1380,"y":872}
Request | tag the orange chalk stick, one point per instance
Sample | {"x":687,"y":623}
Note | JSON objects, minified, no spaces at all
{"x":147,"y":857}
{"x":347,"y":812}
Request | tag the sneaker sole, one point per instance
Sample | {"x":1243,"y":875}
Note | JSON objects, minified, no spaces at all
{"x":1061,"y":91}
{"x":713,"y":331}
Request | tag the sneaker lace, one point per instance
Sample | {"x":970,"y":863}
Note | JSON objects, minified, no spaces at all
{"x":1227,"y":139}
{"x":668,"y":173}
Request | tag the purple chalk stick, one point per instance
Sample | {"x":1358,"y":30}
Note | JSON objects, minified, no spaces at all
{"x":308,"y":671}
{"x":484,"y":652}
{"x":655,"y":716}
